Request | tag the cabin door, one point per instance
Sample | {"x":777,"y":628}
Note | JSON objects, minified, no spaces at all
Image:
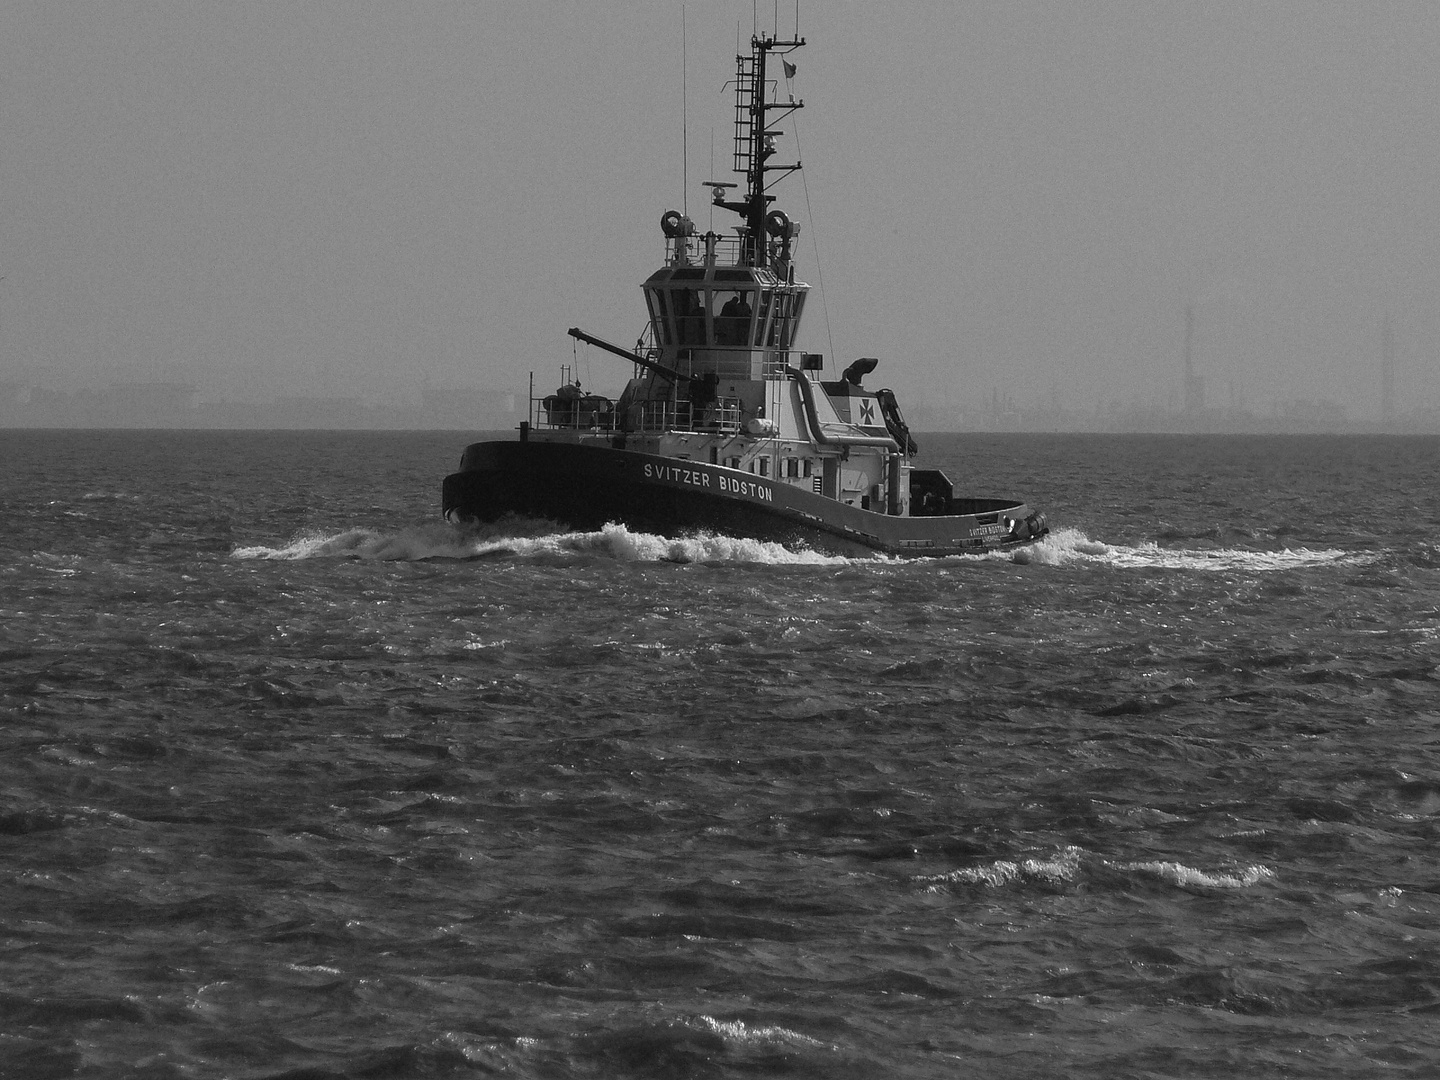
{"x":830,"y":477}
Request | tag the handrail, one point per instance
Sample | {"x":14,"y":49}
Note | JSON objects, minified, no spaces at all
{"x":652,"y":416}
{"x":807,"y":393}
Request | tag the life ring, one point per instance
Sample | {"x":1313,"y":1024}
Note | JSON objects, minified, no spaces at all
{"x":672,"y":222}
{"x":777,"y":224}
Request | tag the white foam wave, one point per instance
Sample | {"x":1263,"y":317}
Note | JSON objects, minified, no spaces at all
{"x":442,"y":540}
{"x":1189,"y":877}
{"x":1065,"y":866}
{"x":1061,"y":868}
{"x":421,"y":542}
{"x":740,"y":1032}
{"x":1064,"y":547}
{"x":707,"y":547}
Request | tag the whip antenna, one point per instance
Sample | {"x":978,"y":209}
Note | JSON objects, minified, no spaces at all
{"x":684,"y":116}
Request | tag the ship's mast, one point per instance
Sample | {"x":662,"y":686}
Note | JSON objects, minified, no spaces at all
{"x":755,"y":139}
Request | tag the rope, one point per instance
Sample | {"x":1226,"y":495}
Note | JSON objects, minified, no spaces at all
{"x":815,"y":246}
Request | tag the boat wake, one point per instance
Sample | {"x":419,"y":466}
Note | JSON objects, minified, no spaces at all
{"x":519,"y":538}
{"x":1069,"y":547}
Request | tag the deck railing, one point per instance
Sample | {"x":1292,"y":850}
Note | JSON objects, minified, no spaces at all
{"x":601,"y":416}
{"x":728,"y":249}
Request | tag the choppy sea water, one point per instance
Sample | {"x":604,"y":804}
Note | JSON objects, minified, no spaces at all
{"x":297,"y":780}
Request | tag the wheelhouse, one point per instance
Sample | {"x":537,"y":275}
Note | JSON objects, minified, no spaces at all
{"x":722,"y":307}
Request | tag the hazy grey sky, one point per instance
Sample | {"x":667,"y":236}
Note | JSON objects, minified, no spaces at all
{"x":276,"y":198}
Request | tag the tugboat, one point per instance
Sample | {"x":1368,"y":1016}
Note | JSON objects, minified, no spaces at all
{"x":723,"y":426}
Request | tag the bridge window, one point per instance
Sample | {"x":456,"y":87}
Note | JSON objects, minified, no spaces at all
{"x":656,"y":299}
{"x":689,"y":314}
{"x":778,"y":336}
{"x":732,"y":313}
{"x":797,"y":308}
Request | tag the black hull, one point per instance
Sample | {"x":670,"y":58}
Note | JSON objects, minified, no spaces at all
{"x":585,"y":487}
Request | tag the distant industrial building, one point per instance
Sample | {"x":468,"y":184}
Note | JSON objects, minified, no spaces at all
{"x":178,"y":405}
